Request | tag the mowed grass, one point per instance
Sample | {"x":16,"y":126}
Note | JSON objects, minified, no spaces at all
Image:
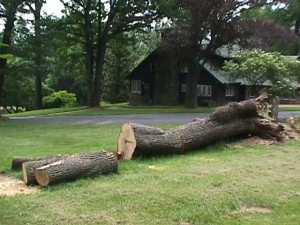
{"x":225,"y":183}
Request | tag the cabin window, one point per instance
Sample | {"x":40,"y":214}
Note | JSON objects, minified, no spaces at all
{"x":204,"y":90}
{"x":184,"y":68}
{"x":251,"y":92}
{"x":183,"y":87}
{"x":230,"y":90}
{"x":136,"y":86}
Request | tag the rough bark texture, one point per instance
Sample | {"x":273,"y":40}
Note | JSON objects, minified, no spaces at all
{"x":234,"y":119}
{"x":17,"y":162}
{"x":76,"y":166}
{"x":29,"y":168}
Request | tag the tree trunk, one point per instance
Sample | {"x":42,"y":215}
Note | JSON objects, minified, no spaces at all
{"x":235,"y":119}
{"x":10,"y":12}
{"x":102,"y":40}
{"x":167,"y":78}
{"x":89,"y":54}
{"x":191,"y":97}
{"x":17,"y":162}
{"x":99,"y":75}
{"x":38,"y":59}
{"x":76,"y":166}
{"x":275,"y":107}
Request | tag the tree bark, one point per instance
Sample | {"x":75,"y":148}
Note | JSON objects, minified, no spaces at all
{"x":102,"y":40}
{"x":29,"y":168}
{"x":38,"y":55}
{"x":17,"y":162}
{"x":191,"y":97}
{"x":76,"y":166}
{"x":275,"y":107}
{"x":89,"y":54}
{"x":235,"y":119}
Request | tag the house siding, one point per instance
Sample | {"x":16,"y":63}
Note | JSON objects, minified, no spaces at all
{"x":162,"y":78}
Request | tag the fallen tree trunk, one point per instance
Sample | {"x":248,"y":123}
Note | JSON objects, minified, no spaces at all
{"x":234,"y":119}
{"x":76,"y":166}
{"x":17,"y":162}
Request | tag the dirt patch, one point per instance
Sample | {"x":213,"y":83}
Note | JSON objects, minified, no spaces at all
{"x":10,"y":186}
{"x":289,"y":133}
{"x":254,"y":140}
{"x":185,"y":222}
{"x":255,"y":209}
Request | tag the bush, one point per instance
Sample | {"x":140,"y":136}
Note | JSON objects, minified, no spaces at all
{"x":60,"y":99}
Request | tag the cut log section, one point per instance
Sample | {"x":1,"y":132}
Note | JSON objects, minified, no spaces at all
{"x":76,"y":166}
{"x":234,"y":119}
{"x":29,"y":167}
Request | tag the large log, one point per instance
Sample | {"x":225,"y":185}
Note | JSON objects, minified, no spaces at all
{"x":76,"y":166}
{"x":234,"y":119}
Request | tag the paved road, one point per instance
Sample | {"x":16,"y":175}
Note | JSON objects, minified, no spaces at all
{"x":164,"y":118}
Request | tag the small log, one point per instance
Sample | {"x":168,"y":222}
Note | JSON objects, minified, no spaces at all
{"x":235,"y":119}
{"x":17,"y":162}
{"x":76,"y":166}
{"x":29,"y":167}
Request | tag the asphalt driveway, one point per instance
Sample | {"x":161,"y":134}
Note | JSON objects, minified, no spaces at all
{"x":163,"y":118}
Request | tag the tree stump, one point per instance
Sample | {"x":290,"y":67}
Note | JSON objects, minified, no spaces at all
{"x":234,"y":119}
{"x":76,"y":166}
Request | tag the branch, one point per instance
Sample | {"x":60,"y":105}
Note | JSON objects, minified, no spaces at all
{"x":30,"y":7}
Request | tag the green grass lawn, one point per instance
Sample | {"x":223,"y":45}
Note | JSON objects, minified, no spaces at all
{"x":221,"y":184}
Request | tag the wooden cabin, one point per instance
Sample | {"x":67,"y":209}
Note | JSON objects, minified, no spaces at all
{"x":161,"y":79}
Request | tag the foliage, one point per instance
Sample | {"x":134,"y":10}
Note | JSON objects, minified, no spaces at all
{"x":203,"y":26}
{"x":5,"y":56}
{"x":8,"y":10}
{"x":117,"y":67}
{"x":35,"y":7}
{"x":124,"y":52}
{"x":200,"y":29}
{"x":273,"y":27}
{"x":60,"y":99}
{"x":257,"y":67}
{"x":18,"y":90}
{"x":95,"y":23}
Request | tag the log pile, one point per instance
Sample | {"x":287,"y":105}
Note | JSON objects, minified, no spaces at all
{"x":235,"y":119}
{"x":50,"y":170}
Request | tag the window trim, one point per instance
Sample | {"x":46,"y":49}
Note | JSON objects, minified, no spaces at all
{"x":136,"y":86}
{"x":183,"y":88}
{"x":230,"y":91}
{"x":204,"y":90}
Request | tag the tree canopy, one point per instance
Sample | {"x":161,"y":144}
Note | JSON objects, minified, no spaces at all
{"x":257,"y":67}
{"x":89,"y":50}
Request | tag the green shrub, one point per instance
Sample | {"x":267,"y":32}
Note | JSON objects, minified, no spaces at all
{"x":60,"y":99}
